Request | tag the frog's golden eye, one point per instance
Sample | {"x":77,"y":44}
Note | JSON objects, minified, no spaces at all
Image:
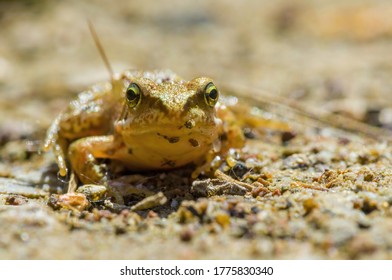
{"x":133,"y":95}
{"x":211,"y":94}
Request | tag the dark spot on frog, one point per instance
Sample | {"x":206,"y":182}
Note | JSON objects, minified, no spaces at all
{"x":171,"y":140}
{"x":130,"y":151}
{"x":167,"y":162}
{"x":194,"y":142}
{"x":189,"y":124}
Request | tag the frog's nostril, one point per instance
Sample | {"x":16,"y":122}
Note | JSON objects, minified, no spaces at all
{"x":190,"y":124}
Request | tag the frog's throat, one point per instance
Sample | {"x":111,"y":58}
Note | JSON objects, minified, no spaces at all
{"x":170,"y":131}
{"x":169,"y":128}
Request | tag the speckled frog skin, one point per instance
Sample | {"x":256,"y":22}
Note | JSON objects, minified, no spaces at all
{"x":144,"y":120}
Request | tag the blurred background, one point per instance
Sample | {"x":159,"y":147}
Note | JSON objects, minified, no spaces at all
{"x":332,"y":54}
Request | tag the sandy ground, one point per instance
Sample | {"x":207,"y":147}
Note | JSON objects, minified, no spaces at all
{"x":318,"y":192}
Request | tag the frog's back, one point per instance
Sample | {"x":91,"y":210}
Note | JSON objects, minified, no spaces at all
{"x":157,"y":76}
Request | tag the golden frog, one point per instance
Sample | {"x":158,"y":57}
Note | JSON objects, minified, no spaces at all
{"x":145,"y":121}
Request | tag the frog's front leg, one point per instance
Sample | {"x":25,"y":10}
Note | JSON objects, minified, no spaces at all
{"x":230,"y":130}
{"x":230,"y":136}
{"x":83,"y":155}
{"x":89,"y":115}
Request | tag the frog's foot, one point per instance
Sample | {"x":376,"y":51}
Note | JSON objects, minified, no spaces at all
{"x":60,"y":159}
{"x":83,"y":155}
{"x":58,"y":144}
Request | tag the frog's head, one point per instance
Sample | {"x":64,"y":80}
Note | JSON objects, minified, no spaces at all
{"x":174,"y":116}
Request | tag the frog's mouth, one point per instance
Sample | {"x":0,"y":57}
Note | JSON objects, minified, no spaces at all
{"x":171,"y":139}
{"x":170,"y":130}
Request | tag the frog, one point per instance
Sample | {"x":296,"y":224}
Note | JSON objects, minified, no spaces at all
{"x":142,"y":120}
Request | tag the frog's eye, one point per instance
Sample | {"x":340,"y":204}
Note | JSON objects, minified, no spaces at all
{"x":133,"y":95}
{"x":211,"y":94}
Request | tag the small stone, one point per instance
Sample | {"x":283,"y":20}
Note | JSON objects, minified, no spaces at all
{"x":186,"y":235}
{"x":231,"y":162}
{"x":15,"y":200}
{"x":174,"y":203}
{"x":260,"y":190}
{"x":70,"y":201}
{"x":152,"y":214}
{"x":368,"y":177}
{"x":287,"y":136}
{"x":238,"y":170}
{"x":309,"y":204}
{"x":150,"y":202}
{"x":249,"y":133}
{"x":92,"y":192}
{"x":369,"y":205}
{"x":223,"y":219}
